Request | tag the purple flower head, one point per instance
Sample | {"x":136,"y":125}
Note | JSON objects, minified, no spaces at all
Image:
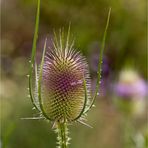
{"x":62,"y":85}
{"x":130,"y":85}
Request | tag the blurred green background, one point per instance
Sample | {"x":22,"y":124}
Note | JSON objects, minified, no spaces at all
{"x":114,"y":126}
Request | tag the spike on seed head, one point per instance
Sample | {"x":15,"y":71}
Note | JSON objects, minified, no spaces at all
{"x":63,"y":93}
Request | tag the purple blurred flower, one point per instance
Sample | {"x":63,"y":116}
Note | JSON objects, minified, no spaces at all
{"x":130,"y":85}
{"x":127,"y":90}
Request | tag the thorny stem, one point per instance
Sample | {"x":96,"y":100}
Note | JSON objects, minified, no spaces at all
{"x":62,"y":132}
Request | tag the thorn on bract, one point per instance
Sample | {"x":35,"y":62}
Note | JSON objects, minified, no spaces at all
{"x":93,"y":105}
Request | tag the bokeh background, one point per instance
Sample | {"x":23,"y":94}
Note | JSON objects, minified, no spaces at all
{"x":119,"y":118}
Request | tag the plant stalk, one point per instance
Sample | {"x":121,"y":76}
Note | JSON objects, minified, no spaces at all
{"x":62,"y":131}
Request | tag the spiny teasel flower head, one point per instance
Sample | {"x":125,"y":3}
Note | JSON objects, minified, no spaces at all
{"x":62,"y":82}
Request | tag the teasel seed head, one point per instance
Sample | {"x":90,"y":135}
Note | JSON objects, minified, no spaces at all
{"x":64,"y":74}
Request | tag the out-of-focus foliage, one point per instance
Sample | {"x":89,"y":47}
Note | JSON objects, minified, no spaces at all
{"x":125,"y":47}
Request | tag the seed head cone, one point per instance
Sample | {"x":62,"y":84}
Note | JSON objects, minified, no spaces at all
{"x":63,"y":92}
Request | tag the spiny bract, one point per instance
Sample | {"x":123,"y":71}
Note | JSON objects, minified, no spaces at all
{"x":62,"y":83}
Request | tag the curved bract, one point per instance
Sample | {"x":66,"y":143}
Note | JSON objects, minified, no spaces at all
{"x":100,"y":63}
{"x":33,"y":98}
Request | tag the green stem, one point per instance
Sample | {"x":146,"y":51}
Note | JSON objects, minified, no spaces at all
{"x":128,"y":132}
{"x":62,"y":132}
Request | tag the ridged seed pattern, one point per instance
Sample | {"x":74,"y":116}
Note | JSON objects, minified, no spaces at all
{"x":63,"y":91}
